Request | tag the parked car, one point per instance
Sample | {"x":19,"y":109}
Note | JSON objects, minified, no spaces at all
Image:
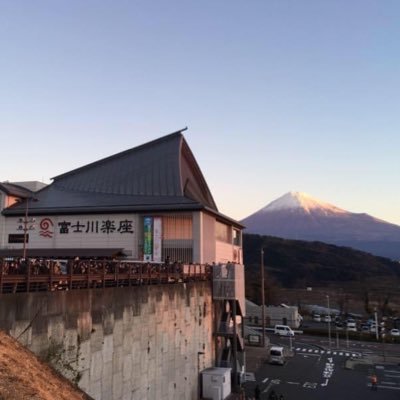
{"x":316,"y":317}
{"x":327,"y":318}
{"x":339,"y":325}
{"x":351,"y":325}
{"x":394,"y":332}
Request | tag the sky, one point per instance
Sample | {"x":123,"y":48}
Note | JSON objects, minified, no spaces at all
{"x":277,"y":95}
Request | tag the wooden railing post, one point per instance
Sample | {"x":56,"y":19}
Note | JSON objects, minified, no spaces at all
{"x":70,"y":268}
{"x":88,"y":276}
{"x":28,"y":275}
{"x":117,"y":273}
{"x":51,"y":272}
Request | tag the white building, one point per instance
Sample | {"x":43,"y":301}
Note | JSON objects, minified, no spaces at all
{"x":274,"y":315}
{"x":147,"y":203}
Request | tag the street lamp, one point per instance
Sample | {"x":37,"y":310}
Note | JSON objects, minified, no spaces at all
{"x":262,"y":296}
{"x":329,"y":322}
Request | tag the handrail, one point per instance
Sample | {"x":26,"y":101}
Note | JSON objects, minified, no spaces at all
{"x":49,"y":275}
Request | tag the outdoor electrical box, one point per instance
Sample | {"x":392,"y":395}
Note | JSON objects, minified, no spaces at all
{"x":216,"y":383}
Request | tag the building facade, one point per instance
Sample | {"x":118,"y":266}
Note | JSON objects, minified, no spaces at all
{"x":149,"y":203}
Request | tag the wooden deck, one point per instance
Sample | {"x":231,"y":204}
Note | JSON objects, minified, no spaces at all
{"x":52,"y":275}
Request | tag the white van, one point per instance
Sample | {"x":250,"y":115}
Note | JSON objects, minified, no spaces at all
{"x":283,"y":330}
{"x":277,"y":355}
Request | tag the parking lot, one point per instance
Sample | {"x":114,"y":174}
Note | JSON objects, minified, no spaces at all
{"x":314,"y":371}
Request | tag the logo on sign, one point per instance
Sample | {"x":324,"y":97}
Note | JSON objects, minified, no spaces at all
{"x":46,"y":226}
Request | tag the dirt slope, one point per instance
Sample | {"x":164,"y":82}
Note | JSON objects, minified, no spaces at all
{"x":23,"y":376}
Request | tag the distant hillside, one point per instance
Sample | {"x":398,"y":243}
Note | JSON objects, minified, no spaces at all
{"x":295,"y":263}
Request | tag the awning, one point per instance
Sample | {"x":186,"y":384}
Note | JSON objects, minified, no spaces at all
{"x":64,"y":253}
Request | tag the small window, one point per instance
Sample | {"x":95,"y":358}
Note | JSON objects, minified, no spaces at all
{"x":222,"y":232}
{"x":237,"y":237}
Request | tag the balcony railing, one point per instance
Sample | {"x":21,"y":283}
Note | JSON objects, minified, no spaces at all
{"x":51,"y":275}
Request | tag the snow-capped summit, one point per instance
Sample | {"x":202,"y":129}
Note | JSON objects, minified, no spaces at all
{"x":300,"y":200}
{"x":297,"y":215}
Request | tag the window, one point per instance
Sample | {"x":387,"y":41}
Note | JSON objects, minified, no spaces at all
{"x":236,"y":237}
{"x":222,"y":232}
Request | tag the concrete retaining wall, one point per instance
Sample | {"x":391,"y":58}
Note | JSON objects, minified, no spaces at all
{"x":119,"y":343}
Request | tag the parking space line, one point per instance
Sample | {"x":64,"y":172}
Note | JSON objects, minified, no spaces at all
{"x":386,"y":387}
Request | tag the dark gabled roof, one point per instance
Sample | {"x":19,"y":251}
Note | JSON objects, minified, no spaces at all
{"x":156,"y":176}
{"x":11,"y":189}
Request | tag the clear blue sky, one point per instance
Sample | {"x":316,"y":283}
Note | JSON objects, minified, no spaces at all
{"x":278,"y":95}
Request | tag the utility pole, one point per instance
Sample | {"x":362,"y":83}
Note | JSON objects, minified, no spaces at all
{"x":27,"y":225}
{"x":376,"y":325}
{"x":262,"y":297}
{"x":329,"y":322}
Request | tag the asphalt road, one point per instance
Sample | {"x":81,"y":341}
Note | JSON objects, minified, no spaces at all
{"x":317,"y":372}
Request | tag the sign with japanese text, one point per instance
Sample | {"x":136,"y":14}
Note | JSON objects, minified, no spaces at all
{"x":147,"y":238}
{"x":82,"y":231}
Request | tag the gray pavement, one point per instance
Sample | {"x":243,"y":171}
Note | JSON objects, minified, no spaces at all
{"x":349,"y":380}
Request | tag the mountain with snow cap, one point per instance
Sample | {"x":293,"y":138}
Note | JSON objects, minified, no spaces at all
{"x":303,"y":201}
{"x":297,"y":215}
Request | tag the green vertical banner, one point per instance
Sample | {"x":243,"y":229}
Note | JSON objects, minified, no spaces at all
{"x":148,"y":239}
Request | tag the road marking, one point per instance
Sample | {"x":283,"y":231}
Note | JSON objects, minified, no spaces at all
{"x":316,"y":351}
{"x":380,"y":367}
{"x":340,"y":354}
{"x":293,"y":383}
{"x":389,"y":383}
{"x":347,"y":354}
{"x":249,"y":377}
{"x":265,"y":380}
{"x":392,"y":376}
{"x":334,"y":353}
{"x":298,"y":349}
{"x":310,"y":385}
{"x":267,"y":388}
{"x":386,"y":387}
{"x":325,"y":383}
{"x":328,"y":352}
{"x":393,"y":371}
{"x":322,"y":351}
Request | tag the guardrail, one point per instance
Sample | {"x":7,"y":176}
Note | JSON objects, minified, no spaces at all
{"x":51,"y":275}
